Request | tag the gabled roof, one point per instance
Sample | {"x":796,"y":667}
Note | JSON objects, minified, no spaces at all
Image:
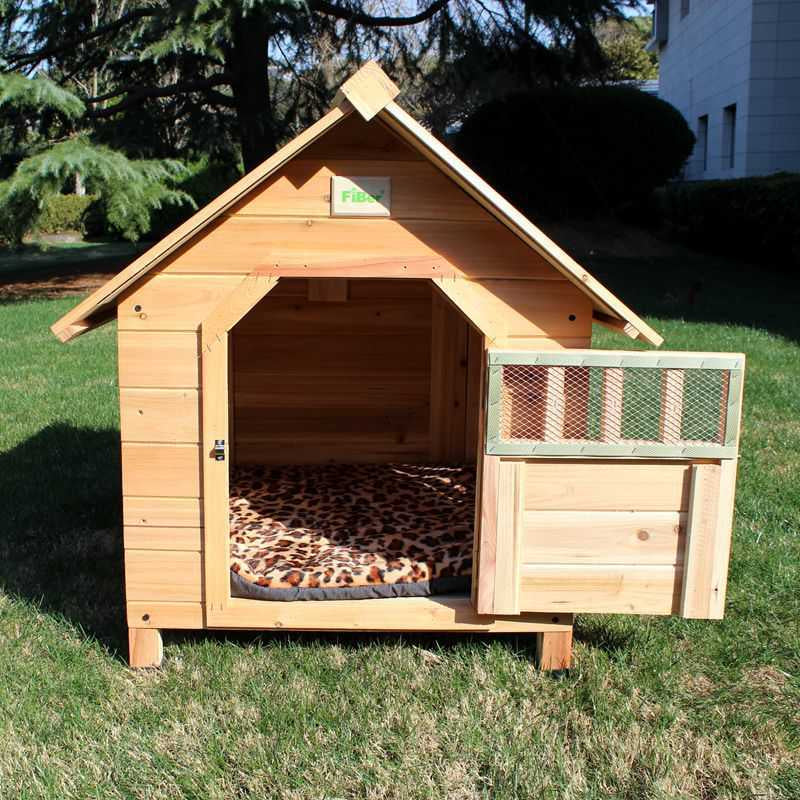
{"x":370,"y":93}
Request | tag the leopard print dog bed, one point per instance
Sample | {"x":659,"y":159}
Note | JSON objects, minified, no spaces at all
{"x":344,"y":531}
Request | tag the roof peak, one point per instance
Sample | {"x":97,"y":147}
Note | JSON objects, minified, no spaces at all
{"x":369,"y":90}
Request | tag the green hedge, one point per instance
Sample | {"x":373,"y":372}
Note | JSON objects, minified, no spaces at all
{"x":576,"y":149}
{"x":753,"y":218}
{"x":66,"y":212}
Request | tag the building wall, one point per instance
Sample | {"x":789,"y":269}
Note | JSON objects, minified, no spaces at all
{"x":741,"y":53}
{"x":774,"y":121}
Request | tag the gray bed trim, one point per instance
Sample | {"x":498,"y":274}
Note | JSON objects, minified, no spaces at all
{"x":242,"y":588}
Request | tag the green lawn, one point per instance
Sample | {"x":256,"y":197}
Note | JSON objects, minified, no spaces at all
{"x":654,"y":708}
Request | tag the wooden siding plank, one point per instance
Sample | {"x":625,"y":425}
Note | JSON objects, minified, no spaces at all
{"x":352,"y":248}
{"x":160,"y":470}
{"x":419,"y":190}
{"x":163,"y":538}
{"x":169,"y":575}
{"x":440,"y":613}
{"x":328,"y":290}
{"x":607,"y":485}
{"x":162,"y":511}
{"x":173,"y":302}
{"x":158,"y":360}
{"x":486,"y":533}
{"x":722,"y":539}
{"x":448,"y":381}
{"x":160,"y":415}
{"x":354,"y":138}
{"x":342,"y":355}
{"x":603,"y":537}
{"x":475,"y":372}
{"x":510,"y":502}
{"x":363,"y":316}
{"x":165,"y":615}
{"x":701,"y":546}
{"x":600,"y":589}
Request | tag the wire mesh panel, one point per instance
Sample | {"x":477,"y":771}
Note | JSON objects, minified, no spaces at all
{"x":584,"y":403}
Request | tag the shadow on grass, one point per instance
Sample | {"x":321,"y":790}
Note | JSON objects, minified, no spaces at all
{"x":61,"y":545}
{"x":61,"y":540}
{"x":699,"y":288}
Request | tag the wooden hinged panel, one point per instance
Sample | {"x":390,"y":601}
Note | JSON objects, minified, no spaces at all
{"x":594,"y":533}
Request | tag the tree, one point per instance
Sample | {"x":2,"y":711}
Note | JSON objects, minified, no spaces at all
{"x":623,"y":42}
{"x":53,"y":151}
{"x":257,"y":70}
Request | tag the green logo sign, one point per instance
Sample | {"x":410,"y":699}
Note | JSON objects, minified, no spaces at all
{"x":360,"y":196}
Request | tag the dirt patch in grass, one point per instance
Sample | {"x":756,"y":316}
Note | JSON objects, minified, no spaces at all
{"x":54,"y":285}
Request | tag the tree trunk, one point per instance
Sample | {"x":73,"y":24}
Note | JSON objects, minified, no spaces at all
{"x":251,"y":92}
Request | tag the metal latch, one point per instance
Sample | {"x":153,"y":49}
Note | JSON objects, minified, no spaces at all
{"x":219,"y":449}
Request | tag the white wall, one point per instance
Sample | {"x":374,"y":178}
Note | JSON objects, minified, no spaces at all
{"x":774,"y":121}
{"x":742,"y":52}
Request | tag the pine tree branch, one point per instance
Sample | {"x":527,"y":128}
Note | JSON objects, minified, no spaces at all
{"x":370,"y":21}
{"x":137,"y":95}
{"x":21,"y":59}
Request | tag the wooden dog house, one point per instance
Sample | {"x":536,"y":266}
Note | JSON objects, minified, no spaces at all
{"x":377,"y":341}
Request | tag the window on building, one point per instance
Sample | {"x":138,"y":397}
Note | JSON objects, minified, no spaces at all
{"x":661,"y":21}
{"x":702,"y":140}
{"x":684,"y":8}
{"x":729,"y":136}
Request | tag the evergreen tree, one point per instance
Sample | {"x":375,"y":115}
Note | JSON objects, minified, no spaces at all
{"x":53,"y":149}
{"x":209,"y":74}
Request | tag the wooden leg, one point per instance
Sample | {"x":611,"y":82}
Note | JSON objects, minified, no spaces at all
{"x":145,"y":648}
{"x":554,"y":650}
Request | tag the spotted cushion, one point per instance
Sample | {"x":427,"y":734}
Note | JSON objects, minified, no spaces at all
{"x":314,"y":529}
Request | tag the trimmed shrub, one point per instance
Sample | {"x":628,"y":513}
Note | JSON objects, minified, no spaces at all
{"x":753,"y":218}
{"x":576,"y":149}
{"x":65,"y":212}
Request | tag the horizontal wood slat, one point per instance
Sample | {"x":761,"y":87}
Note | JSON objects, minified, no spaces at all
{"x":163,"y":575}
{"x":163,"y":538}
{"x":362,"y":450}
{"x":357,"y":356}
{"x":440,"y":613}
{"x":599,"y":485}
{"x":173,"y":302}
{"x":352,"y":248}
{"x":602,"y":589}
{"x":394,"y":393}
{"x":162,"y":511}
{"x":361,"y":316}
{"x":165,"y":615}
{"x":158,"y":359}
{"x":161,"y":470}
{"x":419,"y":190}
{"x":538,"y":308}
{"x":159,"y":415}
{"x":353,"y":137}
{"x":603,"y":537}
